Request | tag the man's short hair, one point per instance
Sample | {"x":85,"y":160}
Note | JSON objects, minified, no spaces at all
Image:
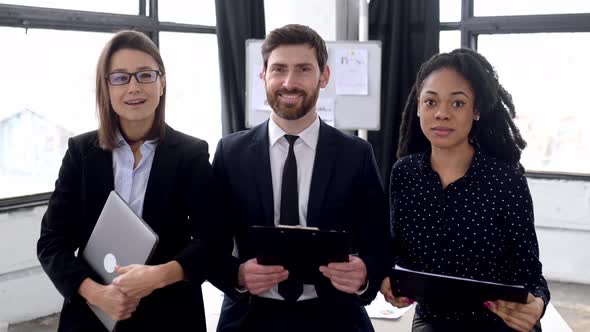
{"x":295,"y":34}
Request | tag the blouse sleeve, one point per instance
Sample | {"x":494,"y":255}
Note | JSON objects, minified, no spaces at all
{"x":525,"y":254}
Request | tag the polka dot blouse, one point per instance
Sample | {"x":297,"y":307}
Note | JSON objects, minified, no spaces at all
{"x":479,"y":227}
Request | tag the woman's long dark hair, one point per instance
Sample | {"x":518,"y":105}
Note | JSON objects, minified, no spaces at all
{"x":495,"y":132}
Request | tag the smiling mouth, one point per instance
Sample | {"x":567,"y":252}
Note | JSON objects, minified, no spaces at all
{"x":291,"y":96}
{"x":135,"y":102}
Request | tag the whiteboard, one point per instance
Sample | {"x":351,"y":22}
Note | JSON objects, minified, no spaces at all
{"x":351,"y":112}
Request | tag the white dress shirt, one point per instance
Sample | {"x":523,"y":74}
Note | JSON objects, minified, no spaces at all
{"x":304,"y":148}
{"x":131,"y":183}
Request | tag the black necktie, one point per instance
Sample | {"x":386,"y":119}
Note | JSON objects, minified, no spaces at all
{"x":290,"y":289}
{"x":289,"y":192}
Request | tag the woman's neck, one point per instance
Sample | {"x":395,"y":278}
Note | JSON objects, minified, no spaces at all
{"x":451,"y":164}
{"x":134,"y":132}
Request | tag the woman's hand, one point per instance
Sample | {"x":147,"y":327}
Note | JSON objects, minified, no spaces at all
{"x":110,"y":299}
{"x":141,"y":280}
{"x":396,"y":301}
{"x":137,"y":280}
{"x":521,"y":317}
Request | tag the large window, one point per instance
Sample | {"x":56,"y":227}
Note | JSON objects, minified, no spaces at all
{"x":47,"y":97}
{"x":48,"y":85}
{"x":542,"y":61}
{"x":193,"y":101}
{"x":548,"y":81}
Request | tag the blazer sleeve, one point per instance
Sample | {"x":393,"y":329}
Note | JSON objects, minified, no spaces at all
{"x":224,"y":267}
{"x":200,"y":197}
{"x":373,"y":240}
{"x":59,"y":237}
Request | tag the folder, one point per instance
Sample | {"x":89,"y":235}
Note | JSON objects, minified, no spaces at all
{"x":447,"y":290}
{"x":300,"y":250}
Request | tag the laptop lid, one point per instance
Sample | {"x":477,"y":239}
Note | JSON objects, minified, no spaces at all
{"x":120,"y":237}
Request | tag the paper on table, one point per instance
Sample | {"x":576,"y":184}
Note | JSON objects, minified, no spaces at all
{"x":380,"y":308}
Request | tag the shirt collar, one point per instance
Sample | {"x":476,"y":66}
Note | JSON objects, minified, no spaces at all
{"x":473,"y":170}
{"x":476,"y":163}
{"x":309,"y":136}
{"x":150,"y":144}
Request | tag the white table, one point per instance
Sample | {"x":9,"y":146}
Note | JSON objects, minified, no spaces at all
{"x":552,"y":321}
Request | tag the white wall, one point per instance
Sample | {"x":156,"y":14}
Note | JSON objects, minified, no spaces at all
{"x":562,"y":217}
{"x":25,"y":290}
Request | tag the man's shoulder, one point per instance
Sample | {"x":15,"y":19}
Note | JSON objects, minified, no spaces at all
{"x":244,"y":138}
{"x":345,"y":139}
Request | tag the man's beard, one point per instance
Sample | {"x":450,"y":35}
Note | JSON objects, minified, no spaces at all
{"x":292,"y":112}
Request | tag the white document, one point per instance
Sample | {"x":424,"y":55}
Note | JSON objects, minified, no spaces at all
{"x":325,"y":109}
{"x":258,"y":97}
{"x":380,"y":308}
{"x":352,"y":72}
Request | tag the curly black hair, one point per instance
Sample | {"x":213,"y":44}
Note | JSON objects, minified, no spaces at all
{"x":495,"y":132}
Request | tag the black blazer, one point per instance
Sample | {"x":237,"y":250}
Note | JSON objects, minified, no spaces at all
{"x":178,"y":206}
{"x":345,"y":194}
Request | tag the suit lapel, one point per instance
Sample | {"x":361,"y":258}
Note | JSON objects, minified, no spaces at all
{"x":161,"y":176}
{"x":259,"y":162}
{"x":325,"y":158}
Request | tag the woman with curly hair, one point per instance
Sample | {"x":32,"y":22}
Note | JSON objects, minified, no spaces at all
{"x":460,"y":203}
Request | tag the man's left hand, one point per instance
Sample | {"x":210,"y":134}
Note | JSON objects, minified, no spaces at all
{"x":348,"y":277}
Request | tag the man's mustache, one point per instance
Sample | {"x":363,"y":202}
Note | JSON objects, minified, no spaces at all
{"x":293,"y":91}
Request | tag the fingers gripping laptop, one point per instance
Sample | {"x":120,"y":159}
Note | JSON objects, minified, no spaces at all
{"x":120,"y":237}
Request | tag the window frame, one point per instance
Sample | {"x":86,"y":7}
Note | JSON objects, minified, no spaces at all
{"x":472,"y":26}
{"x":29,"y":17}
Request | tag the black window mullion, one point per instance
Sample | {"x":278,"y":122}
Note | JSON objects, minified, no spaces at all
{"x":155,"y":35}
{"x":64,"y":19}
{"x":468,"y":39}
{"x":528,"y":24}
{"x":142,"y":8}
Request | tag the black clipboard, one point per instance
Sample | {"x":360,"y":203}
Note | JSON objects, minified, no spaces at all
{"x":300,"y":250}
{"x":439,"y":289}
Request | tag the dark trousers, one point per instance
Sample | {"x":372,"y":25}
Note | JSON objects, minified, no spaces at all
{"x":420,"y":325}
{"x":304,"y":316}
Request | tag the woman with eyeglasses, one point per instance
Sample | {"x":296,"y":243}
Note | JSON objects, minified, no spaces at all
{"x":165,"y":177}
{"x":460,"y":203}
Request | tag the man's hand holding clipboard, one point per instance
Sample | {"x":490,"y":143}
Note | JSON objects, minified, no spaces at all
{"x":304,"y":253}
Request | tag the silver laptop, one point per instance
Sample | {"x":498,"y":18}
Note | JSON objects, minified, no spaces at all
{"x":120,"y":237}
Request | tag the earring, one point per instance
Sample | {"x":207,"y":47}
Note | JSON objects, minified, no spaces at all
{"x":418,"y":113}
{"x":476,"y":117}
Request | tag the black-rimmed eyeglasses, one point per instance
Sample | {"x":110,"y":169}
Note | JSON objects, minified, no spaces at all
{"x":122,"y":78}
